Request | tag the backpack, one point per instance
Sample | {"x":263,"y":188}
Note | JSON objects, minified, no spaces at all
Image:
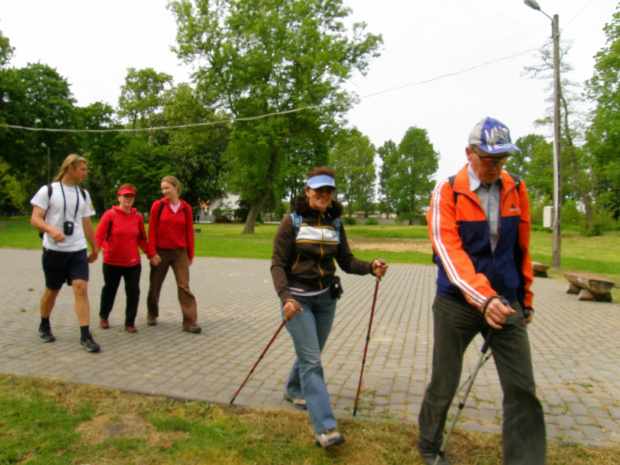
{"x":297,"y":219}
{"x":50,"y":191}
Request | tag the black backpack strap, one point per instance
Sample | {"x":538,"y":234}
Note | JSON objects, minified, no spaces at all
{"x":517,"y":179}
{"x":161,"y":209}
{"x":110,"y":225}
{"x":49,"y":196}
{"x":451,"y":182}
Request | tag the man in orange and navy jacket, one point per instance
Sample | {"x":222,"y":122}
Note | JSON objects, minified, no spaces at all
{"x":479,"y":226}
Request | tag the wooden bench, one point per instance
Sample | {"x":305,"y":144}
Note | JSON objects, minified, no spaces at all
{"x":540,"y":270}
{"x":589,"y":287}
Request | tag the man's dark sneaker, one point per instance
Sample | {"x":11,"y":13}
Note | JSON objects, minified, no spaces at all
{"x":431,"y":454}
{"x":89,"y":345}
{"x":45,"y":334}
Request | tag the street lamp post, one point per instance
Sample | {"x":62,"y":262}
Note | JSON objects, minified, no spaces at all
{"x":557,"y":159}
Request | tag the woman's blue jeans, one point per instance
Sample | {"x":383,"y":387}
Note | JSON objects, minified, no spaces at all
{"x":309,"y":330}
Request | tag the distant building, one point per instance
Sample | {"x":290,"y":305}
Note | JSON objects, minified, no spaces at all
{"x":223,"y":207}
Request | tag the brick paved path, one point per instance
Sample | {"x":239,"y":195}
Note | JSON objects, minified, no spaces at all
{"x":575,"y":346}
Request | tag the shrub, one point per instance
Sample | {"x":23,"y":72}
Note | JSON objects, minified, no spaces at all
{"x":371,"y":222}
{"x":349,"y":220}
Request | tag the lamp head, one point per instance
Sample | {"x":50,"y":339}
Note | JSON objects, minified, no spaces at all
{"x":532,"y":4}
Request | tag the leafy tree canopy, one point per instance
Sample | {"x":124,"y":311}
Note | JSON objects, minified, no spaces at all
{"x":259,"y":57}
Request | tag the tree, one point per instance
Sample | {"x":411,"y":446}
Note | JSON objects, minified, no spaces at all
{"x":412,"y":167}
{"x":261,"y":57}
{"x":385,"y":198}
{"x":603,"y":135}
{"x":37,"y":97}
{"x":6,"y":51}
{"x":142,"y":94}
{"x":535,"y":164}
{"x":197,"y":151}
{"x":352,"y":159}
{"x":11,"y":194}
{"x":576,"y":168}
{"x":103,"y":153}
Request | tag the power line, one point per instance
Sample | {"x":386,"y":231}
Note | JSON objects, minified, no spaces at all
{"x":267,"y":115}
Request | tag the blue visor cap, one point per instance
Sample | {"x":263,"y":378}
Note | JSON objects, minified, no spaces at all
{"x":492,"y":136}
{"x":321,"y":180}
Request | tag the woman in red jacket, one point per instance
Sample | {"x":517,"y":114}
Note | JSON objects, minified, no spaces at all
{"x":171,"y":244}
{"x":120,"y":233}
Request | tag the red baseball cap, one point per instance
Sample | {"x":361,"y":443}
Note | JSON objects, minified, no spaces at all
{"x":126,"y":191}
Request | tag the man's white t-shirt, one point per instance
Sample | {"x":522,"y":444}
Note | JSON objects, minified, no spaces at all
{"x":59,"y":212}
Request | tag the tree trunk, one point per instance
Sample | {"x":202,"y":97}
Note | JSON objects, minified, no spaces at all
{"x":255,"y":209}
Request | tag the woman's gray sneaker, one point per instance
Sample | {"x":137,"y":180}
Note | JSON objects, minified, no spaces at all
{"x":328,"y":439}
{"x":297,"y":403}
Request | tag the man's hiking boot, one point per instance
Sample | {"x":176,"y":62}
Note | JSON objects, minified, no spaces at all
{"x":430,"y":452}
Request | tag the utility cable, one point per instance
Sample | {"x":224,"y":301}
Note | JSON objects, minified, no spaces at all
{"x":267,"y":115}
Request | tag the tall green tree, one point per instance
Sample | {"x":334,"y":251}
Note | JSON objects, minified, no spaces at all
{"x":198,"y":151}
{"x":11,"y":195}
{"x":603,"y":135}
{"x":535,"y":164}
{"x":103,"y":151}
{"x":386,"y":202}
{"x":352,"y":159}
{"x":412,"y":167}
{"x":142,"y":95}
{"x":260,"y":57}
{"x":38,"y":97}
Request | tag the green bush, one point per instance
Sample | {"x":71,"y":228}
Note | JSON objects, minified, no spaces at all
{"x":349,"y":220}
{"x":371,"y":222}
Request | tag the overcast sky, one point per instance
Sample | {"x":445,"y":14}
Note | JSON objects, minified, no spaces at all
{"x":424,"y":77}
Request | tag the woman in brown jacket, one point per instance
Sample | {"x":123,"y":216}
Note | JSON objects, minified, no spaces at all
{"x":303,"y":271}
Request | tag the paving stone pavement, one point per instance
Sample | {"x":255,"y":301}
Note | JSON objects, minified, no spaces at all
{"x":575,"y":346}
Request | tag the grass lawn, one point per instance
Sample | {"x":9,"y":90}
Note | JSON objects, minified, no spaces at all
{"x":54,"y":422}
{"x":397,"y":244}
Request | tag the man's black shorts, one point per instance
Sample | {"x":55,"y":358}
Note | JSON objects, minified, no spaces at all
{"x":64,"y":266}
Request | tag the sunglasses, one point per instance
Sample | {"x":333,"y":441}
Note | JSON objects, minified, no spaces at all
{"x":492,"y":160}
{"x":325,"y":190}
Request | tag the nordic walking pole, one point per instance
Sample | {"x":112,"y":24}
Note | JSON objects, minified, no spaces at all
{"x":372,"y":313}
{"x":481,"y":361}
{"x":259,"y":359}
